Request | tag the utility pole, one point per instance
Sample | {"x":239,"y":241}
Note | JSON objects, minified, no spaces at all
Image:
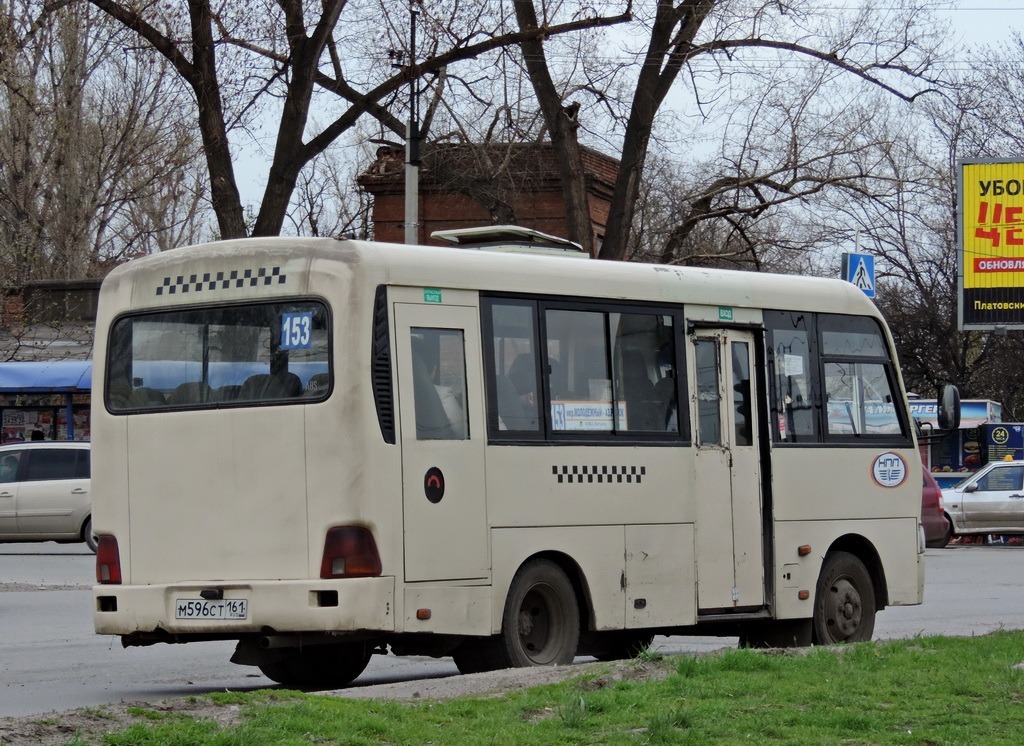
{"x":412,"y":140}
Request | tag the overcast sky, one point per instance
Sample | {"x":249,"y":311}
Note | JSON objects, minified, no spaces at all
{"x":983,"y":21}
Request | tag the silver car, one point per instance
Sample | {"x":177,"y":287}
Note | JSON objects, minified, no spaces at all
{"x":44,"y":492}
{"x":990,"y":501}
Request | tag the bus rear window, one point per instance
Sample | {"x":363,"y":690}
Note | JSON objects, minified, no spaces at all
{"x":220,"y":356}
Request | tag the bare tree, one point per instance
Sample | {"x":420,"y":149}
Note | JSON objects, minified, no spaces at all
{"x":326,"y":205}
{"x":237,"y":56}
{"x":715,"y":42}
{"x":86,"y":137}
{"x":912,"y":230}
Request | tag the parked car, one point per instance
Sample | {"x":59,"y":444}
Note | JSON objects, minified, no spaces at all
{"x":937,"y":530}
{"x":44,"y":492}
{"x":990,"y":501}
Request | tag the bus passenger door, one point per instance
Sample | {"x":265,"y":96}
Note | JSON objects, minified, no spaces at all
{"x":730,"y":559}
{"x":440,"y":396}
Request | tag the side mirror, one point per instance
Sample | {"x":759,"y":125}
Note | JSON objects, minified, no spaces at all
{"x":949,"y":408}
{"x":971,"y":487}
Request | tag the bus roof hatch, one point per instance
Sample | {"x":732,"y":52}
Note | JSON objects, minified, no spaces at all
{"x":512,"y":239}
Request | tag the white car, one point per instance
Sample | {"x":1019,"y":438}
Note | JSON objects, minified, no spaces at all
{"x":44,"y":492}
{"x":990,"y":501}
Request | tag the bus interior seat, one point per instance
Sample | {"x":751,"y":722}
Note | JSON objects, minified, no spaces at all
{"x":271,"y":386}
{"x":318,"y":384}
{"x":432,"y":422}
{"x":119,"y":393}
{"x":665,"y":397}
{"x":639,"y":393}
{"x":556,"y":379}
{"x":513,"y":412}
{"x":191,"y":392}
{"x":145,"y":397}
{"x":523,"y":374}
{"x":228,"y":392}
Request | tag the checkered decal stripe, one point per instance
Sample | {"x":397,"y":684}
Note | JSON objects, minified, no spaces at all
{"x":235,"y":278}
{"x":599,"y":474}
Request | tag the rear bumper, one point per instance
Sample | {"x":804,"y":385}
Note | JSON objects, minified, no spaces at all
{"x":347,"y":605}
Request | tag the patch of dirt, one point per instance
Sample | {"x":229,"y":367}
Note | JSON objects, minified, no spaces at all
{"x":90,"y":724}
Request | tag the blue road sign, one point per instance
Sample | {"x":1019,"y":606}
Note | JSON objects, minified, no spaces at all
{"x":859,"y":269}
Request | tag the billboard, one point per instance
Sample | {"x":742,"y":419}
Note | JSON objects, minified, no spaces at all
{"x":990,"y":221}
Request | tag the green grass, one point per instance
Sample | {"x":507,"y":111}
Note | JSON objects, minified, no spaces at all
{"x":922,"y":691}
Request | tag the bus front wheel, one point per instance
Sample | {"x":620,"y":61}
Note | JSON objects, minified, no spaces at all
{"x":844,"y":604}
{"x":319,"y":665}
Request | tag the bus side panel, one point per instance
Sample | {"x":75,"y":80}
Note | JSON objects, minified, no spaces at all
{"x":660,"y":581}
{"x":453,"y":609}
{"x":895,"y":541}
{"x":803,"y":480}
{"x":108,"y":466}
{"x":565,"y":485}
{"x":598,"y":551}
{"x":353,"y":476}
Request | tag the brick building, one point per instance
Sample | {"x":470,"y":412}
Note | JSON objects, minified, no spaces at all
{"x":465,"y":186}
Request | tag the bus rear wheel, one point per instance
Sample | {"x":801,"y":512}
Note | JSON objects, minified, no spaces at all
{"x":319,"y":665}
{"x":540,"y":625}
{"x":844,"y":604}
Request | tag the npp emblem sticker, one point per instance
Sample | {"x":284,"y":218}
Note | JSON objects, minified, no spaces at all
{"x":889,"y":470}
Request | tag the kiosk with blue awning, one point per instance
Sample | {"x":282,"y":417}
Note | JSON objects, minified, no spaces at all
{"x":50,"y":397}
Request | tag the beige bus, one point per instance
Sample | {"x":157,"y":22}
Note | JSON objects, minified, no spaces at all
{"x":325,"y":449}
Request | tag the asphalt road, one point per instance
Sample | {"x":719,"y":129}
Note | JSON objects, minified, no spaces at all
{"x":50,"y":659}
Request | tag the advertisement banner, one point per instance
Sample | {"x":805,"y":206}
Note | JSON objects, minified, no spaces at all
{"x":991,"y":237}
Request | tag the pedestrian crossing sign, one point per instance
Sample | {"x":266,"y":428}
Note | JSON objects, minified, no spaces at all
{"x":859,"y":269}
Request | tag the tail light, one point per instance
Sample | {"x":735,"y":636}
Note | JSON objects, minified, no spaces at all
{"x":108,"y":560}
{"x":350,"y":552}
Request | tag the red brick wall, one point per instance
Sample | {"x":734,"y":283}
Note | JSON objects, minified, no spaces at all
{"x":13,"y":308}
{"x":542,"y":208}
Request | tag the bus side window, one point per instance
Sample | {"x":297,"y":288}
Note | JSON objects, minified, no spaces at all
{"x":513,"y":364}
{"x":793,"y":401}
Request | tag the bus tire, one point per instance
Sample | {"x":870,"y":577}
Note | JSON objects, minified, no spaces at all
{"x":540,"y":625}
{"x":541,"y":622}
{"x":844,"y":602}
{"x":319,"y":665}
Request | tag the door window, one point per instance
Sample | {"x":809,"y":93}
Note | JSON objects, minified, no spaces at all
{"x":9,"y":466}
{"x":743,"y":435}
{"x":1002,"y":479}
{"x":439,"y":384}
{"x":709,"y":422}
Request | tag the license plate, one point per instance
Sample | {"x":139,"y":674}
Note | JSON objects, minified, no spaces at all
{"x":223,"y":608}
